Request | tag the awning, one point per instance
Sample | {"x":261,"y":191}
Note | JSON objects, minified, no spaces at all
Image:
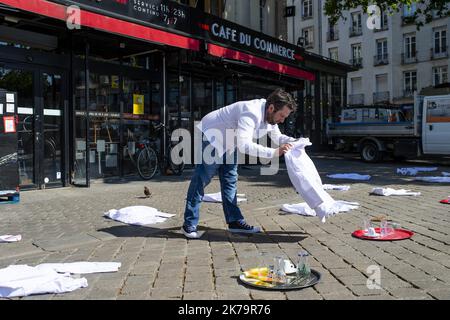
{"x":223,"y":52}
{"x":108,"y":24}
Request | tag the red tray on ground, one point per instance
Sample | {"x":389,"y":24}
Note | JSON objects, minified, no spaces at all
{"x":398,"y":234}
{"x":446,"y":201}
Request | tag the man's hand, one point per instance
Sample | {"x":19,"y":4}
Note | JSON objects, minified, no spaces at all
{"x":283,"y":149}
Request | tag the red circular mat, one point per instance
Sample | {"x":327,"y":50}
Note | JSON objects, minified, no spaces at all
{"x":398,"y":234}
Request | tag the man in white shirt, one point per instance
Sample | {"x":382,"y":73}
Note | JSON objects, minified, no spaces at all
{"x":225,"y":130}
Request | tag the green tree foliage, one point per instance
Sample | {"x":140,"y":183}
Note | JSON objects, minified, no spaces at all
{"x":426,"y":10}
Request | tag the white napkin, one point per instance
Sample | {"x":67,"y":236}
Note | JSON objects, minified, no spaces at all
{"x":138,"y":215}
{"x":352,"y":176}
{"x":322,"y":210}
{"x":414,"y":170}
{"x":217,"y":197}
{"x":392,"y":192}
{"x":10,"y":238}
{"x":23,"y":280}
{"x":81,"y":267}
{"x":335,"y":187}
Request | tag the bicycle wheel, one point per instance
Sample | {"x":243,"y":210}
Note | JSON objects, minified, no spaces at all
{"x":147,"y":163}
{"x":177,"y":169}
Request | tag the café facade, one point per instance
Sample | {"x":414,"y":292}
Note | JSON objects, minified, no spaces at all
{"x":92,"y":76}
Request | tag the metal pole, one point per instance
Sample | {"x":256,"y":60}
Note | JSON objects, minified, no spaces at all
{"x":86,"y":89}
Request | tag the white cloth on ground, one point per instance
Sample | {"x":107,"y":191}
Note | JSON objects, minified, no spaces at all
{"x":434,"y":179}
{"x":217,"y":197}
{"x":138,"y":215}
{"x":351,"y":176}
{"x":392,"y":192}
{"x":306,"y":180}
{"x":335,"y":187}
{"x":23,"y":280}
{"x":10,"y":238}
{"x":81,"y":267}
{"x":335,"y":207}
{"x":414,"y":170}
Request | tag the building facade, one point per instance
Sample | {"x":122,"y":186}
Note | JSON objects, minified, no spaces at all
{"x":392,"y":62}
{"x":91,"y":80}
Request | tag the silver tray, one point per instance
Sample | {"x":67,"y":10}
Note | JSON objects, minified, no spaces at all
{"x":292,"y":282}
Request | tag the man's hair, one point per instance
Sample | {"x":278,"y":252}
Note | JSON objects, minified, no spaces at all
{"x":280,"y":98}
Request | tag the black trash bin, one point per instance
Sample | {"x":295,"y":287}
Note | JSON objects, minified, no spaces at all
{"x":9,"y":167}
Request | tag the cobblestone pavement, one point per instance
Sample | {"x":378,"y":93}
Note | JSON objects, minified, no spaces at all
{"x":66,"y":225}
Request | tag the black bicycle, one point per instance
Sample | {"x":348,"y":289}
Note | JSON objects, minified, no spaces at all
{"x":148,"y":160}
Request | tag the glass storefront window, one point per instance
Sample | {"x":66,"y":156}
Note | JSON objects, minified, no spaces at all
{"x":137,"y":115}
{"x":21,"y":81}
{"x":201,"y":98}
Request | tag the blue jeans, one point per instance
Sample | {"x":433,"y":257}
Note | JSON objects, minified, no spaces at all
{"x":202,"y":177}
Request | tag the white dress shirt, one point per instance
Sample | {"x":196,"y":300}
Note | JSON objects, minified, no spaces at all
{"x":237,"y":124}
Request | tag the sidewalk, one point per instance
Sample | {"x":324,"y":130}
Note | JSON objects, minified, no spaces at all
{"x":65,"y":225}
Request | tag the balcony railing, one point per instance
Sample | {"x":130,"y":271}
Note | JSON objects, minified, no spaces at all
{"x":355,"y":31}
{"x":407,"y":20}
{"x":381,"y":59}
{"x":408,"y":93}
{"x":442,"y":53}
{"x":356,"y":99}
{"x":381,"y":97}
{"x":308,"y":44}
{"x":409,"y":58}
{"x":333,"y":35}
{"x":307,"y":15}
{"x":357,"y":62}
{"x":384,"y":27}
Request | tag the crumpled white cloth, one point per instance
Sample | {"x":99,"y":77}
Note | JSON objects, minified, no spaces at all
{"x":23,"y":280}
{"x":335,"y":187}
{"x":138,"y":215}
{"x":351,"y":176}
{"x":392,"y":192}
{"x":434,"y":179}
{"x":306,"y":180}
{"x":81,"y":267}
{"x":333,"y":208}
{"x":217,"y":197}
{"x":414,"y":170}
{"x":10,"y":238}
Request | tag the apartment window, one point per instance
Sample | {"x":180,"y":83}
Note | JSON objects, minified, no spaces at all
{"x":308,"y":35}
{"x":333,"y":33}
{"x":440,"y":40}
{"x":307,"y":10}
{"x":356,"y":51}
{"x":356,"y":28}
{"x":356,"y":55}
{"x":382,"y":52}
{"x":333,"y":53}
{"x":381,"y":82}
{"x":410,"y":48}
{"x":216,"y":7}
{"x":381,"y":94}
{"x":384,"y":20}
{"x":440,"y":75}
{"x":382,"y":49}
{"x":410,"y":82}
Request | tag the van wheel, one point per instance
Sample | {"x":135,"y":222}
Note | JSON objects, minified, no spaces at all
{"x":371,"y":153}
